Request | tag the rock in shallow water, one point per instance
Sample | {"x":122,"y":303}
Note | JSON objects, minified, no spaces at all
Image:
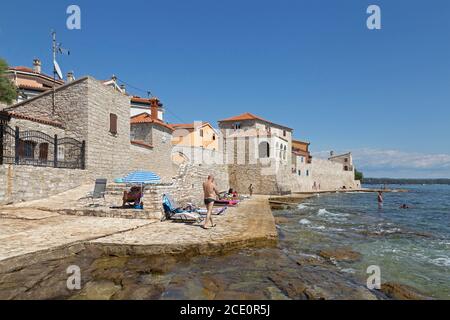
{"x":340,"y":254}
{"x":401,"y":292}
{"x":98,"y":290}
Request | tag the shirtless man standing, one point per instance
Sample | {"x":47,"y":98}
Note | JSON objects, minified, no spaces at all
{"x":210,"y":192}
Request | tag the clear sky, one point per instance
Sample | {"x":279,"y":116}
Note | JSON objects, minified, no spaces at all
{"x":310,"y":65}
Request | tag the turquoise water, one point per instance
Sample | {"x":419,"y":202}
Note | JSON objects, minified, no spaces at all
{"x":410,"y":246}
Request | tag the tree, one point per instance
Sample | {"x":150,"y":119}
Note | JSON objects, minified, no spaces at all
{"x":359,"y":175}
{"x":8,"y":92}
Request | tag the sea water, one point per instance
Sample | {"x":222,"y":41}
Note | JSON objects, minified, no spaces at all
{"x":410,"y":246}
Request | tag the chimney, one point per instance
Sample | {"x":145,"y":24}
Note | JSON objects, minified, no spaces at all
{"x":37,"y":65}
{"x":123,"y":88}
{"x":70,"y":77}
{"x":154,"y":106}
{"x":114,"y":78}
{"x":331,"y":153}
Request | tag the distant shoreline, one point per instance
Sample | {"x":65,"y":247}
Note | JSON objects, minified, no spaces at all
{"x":405,"y":181}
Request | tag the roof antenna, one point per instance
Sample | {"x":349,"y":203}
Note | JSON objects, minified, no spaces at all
{"x":56,"y":48}
{"x":149,"y":94}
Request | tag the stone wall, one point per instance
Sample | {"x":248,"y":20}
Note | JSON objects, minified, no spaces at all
{"x":23,"y":183}
{"x":36,"y":126}
{"x":159,"y":158}
{"x":271,"y":178}
{"x":155,"y":160}
{"x":328,"y":174}
{"x":70,"y":107}
{"x":245,"y":167}
{"x":84,"y":107}
{"x":107,"y":154}
{"x":186,"y":187}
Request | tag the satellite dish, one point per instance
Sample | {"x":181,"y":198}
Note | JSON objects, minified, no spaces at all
{"x":57,"y":69}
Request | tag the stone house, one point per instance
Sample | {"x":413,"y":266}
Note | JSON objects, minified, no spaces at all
{"x":30,"y":82}
{"x":142,"y":105}
{"x":257,"y":152}
{"x":138,"y":104}
{"x":149,"y":132}
{"x":345,"y":159}
{"x":99,"y":115}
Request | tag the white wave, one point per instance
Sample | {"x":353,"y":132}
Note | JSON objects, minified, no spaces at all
{"x":304,"y":221}
{"x":336,"y":229}
{"x":302,"y":206}
{"x":348,"y":270}
{"x":318,"y":227}
{"x":357,"y":192}
{"x":441,"y":262}
{"x":326,"y":213}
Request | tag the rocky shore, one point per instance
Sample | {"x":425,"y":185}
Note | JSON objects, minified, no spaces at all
{"x":239,"y":259}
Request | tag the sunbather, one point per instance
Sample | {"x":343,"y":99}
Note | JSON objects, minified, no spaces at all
{"x":133,"y":196}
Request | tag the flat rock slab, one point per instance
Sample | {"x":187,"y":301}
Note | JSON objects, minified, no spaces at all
{"x":20,"y":236}
{"x":249,"y":224}
{"x":25,"y":232}
{"x":26,"y":214}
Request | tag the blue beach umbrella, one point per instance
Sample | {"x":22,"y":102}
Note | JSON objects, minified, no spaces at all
{"x":142,"y":178}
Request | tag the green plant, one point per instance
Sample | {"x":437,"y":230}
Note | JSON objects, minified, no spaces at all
{"x":8,"y":92}
{"x":359,"y":175}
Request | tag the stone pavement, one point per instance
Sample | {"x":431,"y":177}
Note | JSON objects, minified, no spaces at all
{"x":30,"y":228}
{"x":249,"y":224}
{"x":22,"y":236}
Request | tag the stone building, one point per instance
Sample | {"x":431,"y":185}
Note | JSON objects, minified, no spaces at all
{"x":30,"y":82}
{"x":149,"y":132}
{"x":138,"y":104}
{"x":258,"y":152}
{"x":99,"y":115}
{"x":142,"y":105}
{"x":345,"y":159}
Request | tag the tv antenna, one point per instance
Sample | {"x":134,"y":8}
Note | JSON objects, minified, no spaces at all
{"x":57,"y":49}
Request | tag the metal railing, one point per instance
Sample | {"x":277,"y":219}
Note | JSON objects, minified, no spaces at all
{"x":36,"y":148}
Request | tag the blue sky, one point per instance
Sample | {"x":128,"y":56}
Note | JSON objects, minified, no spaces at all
{"x":310,"y":65}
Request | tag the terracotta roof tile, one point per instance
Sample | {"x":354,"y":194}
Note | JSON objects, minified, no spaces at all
{"x":39,"y":120}
{"x":250,"y":116}
{"x":146,"y":118}
{"x":29,"y":70}
{"x":26,"y":86}
{"x":140,"y":100}
{"x":141,"y":143}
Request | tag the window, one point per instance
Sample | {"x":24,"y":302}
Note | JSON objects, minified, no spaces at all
{"x":345,"y":160}
{"x":237,"y":126}
{"x":214,"y":137}
{"x":113,"y":123}
{"x":346,"y":168}
{"x":43,"y":151}
{"x":307,"y":173}
{"x":302,"y":159}
{"x":201,"y":133}
{"x":299,"y":172}
{"x":61,"y":152}
{"x":264,"y":150}
{"x":26,"y":149}
{"x":284,"y":133}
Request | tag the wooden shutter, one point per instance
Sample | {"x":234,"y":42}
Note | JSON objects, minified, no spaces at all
{"x":43,"y":151}
{"x":112,"y":123}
